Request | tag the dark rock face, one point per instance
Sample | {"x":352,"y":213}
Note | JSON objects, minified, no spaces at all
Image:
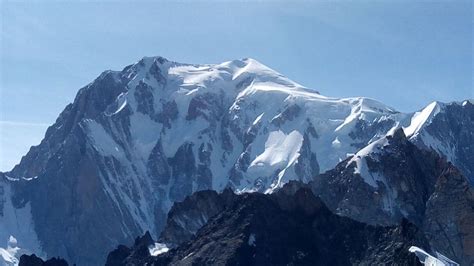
{"x":288,"y":114}
{"x":364,"y":130}
{"x":32,"y":260}
{"x":127,"y":256}
{"x":72,"y":189}
{"x":183,"y":167}
{"x":290,"y":227}
{"x":68,"y":193}
{"x":187,"y":217}
{"x":417,"y":185}
{"x":158,"y":166}
{"x":408,"y":178}
{"x":307,"y":165}
{"x":449,"y":217}
{"x":451,"y":134}
{"x":88,"y":104}
{"x":208,"y":106}
{"x":144,"y":96}
{"x":169,"y":112}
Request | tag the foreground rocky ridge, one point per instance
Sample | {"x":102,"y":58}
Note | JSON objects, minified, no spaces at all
{"x":291,"y":226}
{"x":135,"y":141}
{"x":406,"y":182}
{"x":33,"y":260}
{"x":411,"y":184}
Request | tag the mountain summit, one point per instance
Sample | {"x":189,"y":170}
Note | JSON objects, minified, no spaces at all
{"x":135,"y":141}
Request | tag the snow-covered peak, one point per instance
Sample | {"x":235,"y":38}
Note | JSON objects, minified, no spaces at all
{"x":466,"y":102}
{"x":202,"y":77}
{"x":366,"y":109}
{"x":425,"y":116}
{"x":422,"y":118}
{"x":175,"y":103}
{"x":159,"y":130}
{"x":261,"y":72}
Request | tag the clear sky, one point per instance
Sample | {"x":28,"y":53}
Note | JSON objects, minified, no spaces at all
{"x":403,"y":53}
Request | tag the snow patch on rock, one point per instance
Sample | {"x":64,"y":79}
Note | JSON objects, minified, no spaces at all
{"x":361,"y":167}
{"x":158,"y":248}
{"x":430,"y":260}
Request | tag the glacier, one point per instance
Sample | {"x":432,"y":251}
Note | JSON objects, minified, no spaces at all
{"x":135,"y":141}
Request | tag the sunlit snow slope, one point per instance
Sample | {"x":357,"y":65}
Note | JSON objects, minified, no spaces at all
{"x":137,"y":140}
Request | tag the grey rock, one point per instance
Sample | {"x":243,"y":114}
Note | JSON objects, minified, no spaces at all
{"x":449,"y":217}
{"x":417,"y":185}
{"x":145,"y":99}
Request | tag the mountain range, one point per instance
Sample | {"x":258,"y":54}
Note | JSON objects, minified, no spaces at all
{"x":135,"y":142}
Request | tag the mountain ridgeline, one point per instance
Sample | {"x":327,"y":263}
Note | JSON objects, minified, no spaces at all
{"x":288,"y":227}
{"x":136,"y":141}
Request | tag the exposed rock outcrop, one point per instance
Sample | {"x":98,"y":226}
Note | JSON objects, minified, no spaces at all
{"x":33,"y":260}
{"x":289,"y":227}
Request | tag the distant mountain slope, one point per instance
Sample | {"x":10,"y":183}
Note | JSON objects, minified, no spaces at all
{"x":135,"y":141}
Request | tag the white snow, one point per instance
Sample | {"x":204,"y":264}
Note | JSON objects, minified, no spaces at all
{"x":266,"y":93}
{"x":250,"y":94}
{"x":362,"y":108}
{"x":464,"y":103}
{"x":122,"y":102}
{"x":29,"y":178}
{"x":421,"y":118}
{"x":336,"y":143}
{"x":249,"y":91}
{"x":275,"y":150}
{"x":280,"y":151}
{"x":257,"y":119}
{"x":440,"y":146}
{"x":8,"y":255}
{"x":430,"y":260}
{"x":361,"y":168}
{"x":157,"y":249}
{"x":16,"y":228}
{"x":9,"y":178}
{"x":102,"y":141}
{"x":145,"y":133}
{"x":393,"y":129}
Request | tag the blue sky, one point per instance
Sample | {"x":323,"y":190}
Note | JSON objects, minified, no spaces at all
{"x":405,"y":54}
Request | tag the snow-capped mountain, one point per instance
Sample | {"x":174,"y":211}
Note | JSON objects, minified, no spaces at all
{"x":135,"y":141}
{"x":447,"y":129}
{"x":388,"y":181}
